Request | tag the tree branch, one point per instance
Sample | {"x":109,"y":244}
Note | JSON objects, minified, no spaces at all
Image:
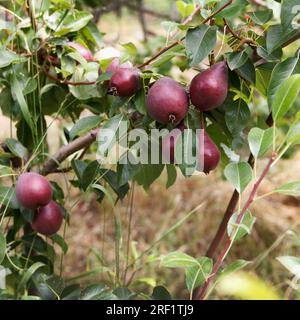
{"x":175,"y":43}
{"x":200,"y":294}
{"x":65,"y":151}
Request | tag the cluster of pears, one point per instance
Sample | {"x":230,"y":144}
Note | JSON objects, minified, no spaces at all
{"x":33,"y":191}
{"x":168,"y":102}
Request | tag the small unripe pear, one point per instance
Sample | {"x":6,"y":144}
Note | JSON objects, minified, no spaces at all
{"x":33,"y":190}
{"x":125,"y":82}
{"x":48,"y":219}
{"x":167,"y":101}
{"x":209,"y":89}
{"x":210,"y":153}
{"x":83,"y":51}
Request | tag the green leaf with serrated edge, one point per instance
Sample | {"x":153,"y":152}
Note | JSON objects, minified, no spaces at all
{"x":200,"y":41}
{"x":285,"y":96}
{"x":260,"y":141}
{"x":238,"y":231}
{"x":239,"y":175}
{"x":290,"y":189}
{"x":261,"y":17}
{"x":178,"y":260}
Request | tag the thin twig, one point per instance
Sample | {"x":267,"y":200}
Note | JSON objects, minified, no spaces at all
{"x":175,"y":43}
{"x":200,"y":294}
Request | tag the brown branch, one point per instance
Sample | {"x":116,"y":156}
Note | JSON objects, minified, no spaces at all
{"x":202,"y":292}
{"x":175,"y":43}
{"x":65,"y":151}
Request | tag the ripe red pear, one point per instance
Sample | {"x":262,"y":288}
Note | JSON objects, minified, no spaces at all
{"x":209,"y":153}
{"x":33,"y":190}
{"x":125,"y":82}
{"x":167,"y":101}
{"x":169,"y":142}
{"x":48,"y":219}
{"x":83,"y":51}
{"x":208,"y":90}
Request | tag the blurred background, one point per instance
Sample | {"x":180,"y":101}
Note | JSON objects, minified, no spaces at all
{"x":90,"y":235}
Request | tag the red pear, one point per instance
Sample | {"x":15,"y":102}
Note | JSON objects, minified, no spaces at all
{"x":33,"y":190}
{"x":48,"y":219}
{"x":209,"y":153}
{"x":209,"y":89}
{"x":115,"y":65}
{"x":125,"y":82}
{"x":169,"y":142}
{"x":167,"y":101}
{"x":84,"y":52}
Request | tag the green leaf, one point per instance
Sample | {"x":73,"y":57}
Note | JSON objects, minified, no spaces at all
{"x":172,"y":175}
{"x":178,"y":260}
{"x":16,"y":148}
{"x":290,"y":189}
{"x":161,"y":293}
{"x":197,"y":275}
{"x":235,"y":266}
{"x":285,"y":96}
{"x":89,"y":174}
{"x":17,"y":91}
{"x":243,"y":228}
{"x":94,"y":292}
{"x":247,"y":71}
{"x":28,"y":274}
{"x":124,"y":294}
{"x":84,"y":125}
{"x":147,"y":174}
{"x":112,"y":178}
{"x":260,"y":141}
{"x":291,"y":263}
{"x":63,"y":24}
{"x":60,"y":241}
{"x":231,"y":11}
{"x":105,"y":191}
{"x":289,"y":9}
{"x":281,"y":72}
{"x":261,"y":17}
{"x":237,"y":115}
{"x":8,"y":57}
{"x":200,"y":41}
{"x":8,"y":197}
{"x":239,"y":174}
{"x":2,"y":246}
{"x":236,"y":59}
{"x":185,"y":9}
{"x":115,"y":127}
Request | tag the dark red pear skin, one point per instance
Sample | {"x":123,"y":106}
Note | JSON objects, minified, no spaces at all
{"x":208,"y":90}
{"x":167,"y":101}
{"x":48,"y":219}
{"x":209,"y":151}
{"x":125,"y":82}
{"x":169,"y":142}
{"x":33,"y":190}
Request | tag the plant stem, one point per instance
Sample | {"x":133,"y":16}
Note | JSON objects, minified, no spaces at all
{"x":175,"y":43}
{"x":200,"y":294}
